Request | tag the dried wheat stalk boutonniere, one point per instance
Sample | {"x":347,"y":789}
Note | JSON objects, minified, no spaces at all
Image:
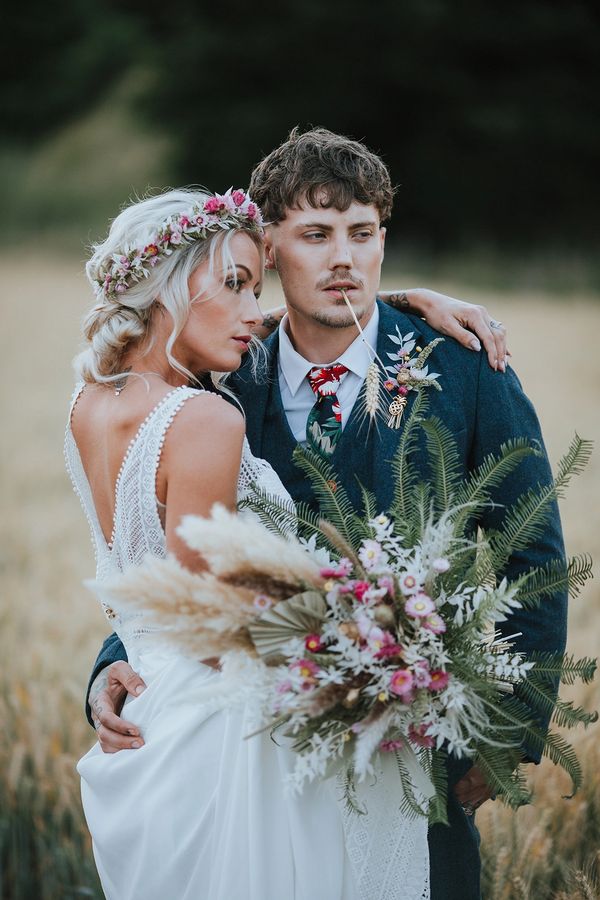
{"x":387,"y":387}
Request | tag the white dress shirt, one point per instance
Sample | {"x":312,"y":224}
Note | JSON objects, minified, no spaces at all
{"x":296,"y":393}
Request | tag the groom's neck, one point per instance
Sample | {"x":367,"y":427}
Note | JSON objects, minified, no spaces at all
{"x":318,"y":342}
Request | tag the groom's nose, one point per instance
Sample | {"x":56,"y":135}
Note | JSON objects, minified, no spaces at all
{"x":341,"y":253}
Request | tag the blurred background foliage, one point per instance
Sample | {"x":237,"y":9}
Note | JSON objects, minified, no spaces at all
{"x":487,"y":114}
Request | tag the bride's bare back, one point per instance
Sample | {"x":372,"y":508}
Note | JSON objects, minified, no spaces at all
{"x":199,"y":462}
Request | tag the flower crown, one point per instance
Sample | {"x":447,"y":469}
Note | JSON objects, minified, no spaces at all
{"x":234,"y":209}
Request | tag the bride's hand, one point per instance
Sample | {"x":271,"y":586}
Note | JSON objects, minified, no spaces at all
{"x":107,"y":695}
{"x":459,"y":320}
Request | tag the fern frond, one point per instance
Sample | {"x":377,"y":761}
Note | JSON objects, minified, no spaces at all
{"x":564,"y":667}
{"x":438,"y":805}
{"x":410,"y":806}
{"x":402,"y":470}
{"x":334,"y":503}
{"x":554,"y":578}
{"x":369,"y":500}
{"x":274,"y":513}
{"x":476,"y":491}
{"x":567,"y":715}
{"x":349,"y":793}
{"x":539,"y":693}
{"x":507,"y":778}
{"x":562,"y":754}
{"x":523,"y":524}
{"x":444,"y":462}
{"x":573,"y":462}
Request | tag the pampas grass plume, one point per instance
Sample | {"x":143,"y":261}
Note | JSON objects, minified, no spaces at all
{"x":254,"y":549}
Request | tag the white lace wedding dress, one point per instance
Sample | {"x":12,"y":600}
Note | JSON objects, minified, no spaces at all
{"x":199,"y":813}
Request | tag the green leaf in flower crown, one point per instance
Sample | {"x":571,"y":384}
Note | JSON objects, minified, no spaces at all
{"x":296,"y":617}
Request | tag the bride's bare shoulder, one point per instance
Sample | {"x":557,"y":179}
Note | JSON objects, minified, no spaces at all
{"x":205,"y":424}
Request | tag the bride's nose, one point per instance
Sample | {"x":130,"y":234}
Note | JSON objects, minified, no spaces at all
{"x":252,"y":314}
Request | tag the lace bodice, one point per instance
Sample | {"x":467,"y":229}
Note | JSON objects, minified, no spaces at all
{"x":137,"y":527}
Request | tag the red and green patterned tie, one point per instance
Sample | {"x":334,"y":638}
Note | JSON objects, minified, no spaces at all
{"x":324,"y":423}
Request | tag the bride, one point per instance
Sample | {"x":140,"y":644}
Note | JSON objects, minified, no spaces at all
{"x":196,"y":812}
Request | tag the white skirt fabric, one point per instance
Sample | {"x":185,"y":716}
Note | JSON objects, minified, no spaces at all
{"x":199,"y":813}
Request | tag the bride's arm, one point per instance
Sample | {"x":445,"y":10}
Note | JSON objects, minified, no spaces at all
{"x":199,"y":467}
{"x":467,"y":323}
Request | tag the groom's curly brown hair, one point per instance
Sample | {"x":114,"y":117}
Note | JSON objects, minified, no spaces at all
{"x":322,"y":169}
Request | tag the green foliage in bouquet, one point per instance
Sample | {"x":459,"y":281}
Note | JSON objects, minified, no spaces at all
{"x":510,"y":698}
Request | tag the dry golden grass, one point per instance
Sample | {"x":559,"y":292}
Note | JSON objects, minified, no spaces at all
{"x":51,"y":627}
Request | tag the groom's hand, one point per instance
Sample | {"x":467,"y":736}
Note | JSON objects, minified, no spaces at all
{"x":472,"y":790}
{"x":107,"y":696}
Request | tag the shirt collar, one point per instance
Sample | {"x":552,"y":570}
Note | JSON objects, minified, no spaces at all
{"x":356,"y":357}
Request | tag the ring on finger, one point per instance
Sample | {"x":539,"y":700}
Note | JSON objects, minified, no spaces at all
{"x":468,"y":809}
{"x":495,"y":324}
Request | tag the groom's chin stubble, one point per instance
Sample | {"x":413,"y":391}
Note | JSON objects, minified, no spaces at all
{"x":338,"y":318}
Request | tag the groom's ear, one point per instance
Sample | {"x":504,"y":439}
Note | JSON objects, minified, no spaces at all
{"x":269,"y":252}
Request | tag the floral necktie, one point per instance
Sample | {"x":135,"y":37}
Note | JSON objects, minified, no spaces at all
{"x":324,"y":423}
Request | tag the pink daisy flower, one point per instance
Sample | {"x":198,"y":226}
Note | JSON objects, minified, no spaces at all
{"x":434,"y":622}
{"x":439,"y":680}
{"x":419,"y":606}
{"x":401,"y":682}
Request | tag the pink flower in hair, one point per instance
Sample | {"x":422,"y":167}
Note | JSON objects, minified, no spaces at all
{"x":214,"y":205}
{"x":121,"y":288}
{"x":238,"y":197}
{"x":252,"y":211}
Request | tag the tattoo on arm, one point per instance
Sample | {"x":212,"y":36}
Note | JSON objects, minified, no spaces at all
{"x":270,"y":322}
{"x":399,"y":301}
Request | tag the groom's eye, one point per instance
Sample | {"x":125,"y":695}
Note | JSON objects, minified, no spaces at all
{"x":316,"y":235}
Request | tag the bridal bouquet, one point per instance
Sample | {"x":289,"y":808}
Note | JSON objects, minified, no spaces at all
{"x":376,"y":633}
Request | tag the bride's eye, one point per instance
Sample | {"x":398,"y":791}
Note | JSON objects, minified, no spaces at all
{"x":235,"y":284}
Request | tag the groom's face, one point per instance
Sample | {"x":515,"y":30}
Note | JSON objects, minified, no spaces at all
{"x":317,"y":251}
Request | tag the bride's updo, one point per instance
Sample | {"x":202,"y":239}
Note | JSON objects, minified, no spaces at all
{"x":152,"y":249}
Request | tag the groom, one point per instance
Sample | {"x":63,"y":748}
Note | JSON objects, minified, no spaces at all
{"x":326,"y":198}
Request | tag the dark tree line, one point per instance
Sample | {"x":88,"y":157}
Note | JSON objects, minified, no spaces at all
{"x":487,"y":113}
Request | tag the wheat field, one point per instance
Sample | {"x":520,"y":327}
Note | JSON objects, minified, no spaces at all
{"x":52,"y":627}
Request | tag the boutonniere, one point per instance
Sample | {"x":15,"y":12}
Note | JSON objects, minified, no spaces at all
{"x":408,"y":372}
{"x":387,"y":399}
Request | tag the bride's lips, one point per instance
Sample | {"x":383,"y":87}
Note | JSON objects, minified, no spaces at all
{"x":243,"y":340}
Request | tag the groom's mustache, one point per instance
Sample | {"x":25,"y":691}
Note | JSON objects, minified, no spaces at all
{"x":343,"y":279}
